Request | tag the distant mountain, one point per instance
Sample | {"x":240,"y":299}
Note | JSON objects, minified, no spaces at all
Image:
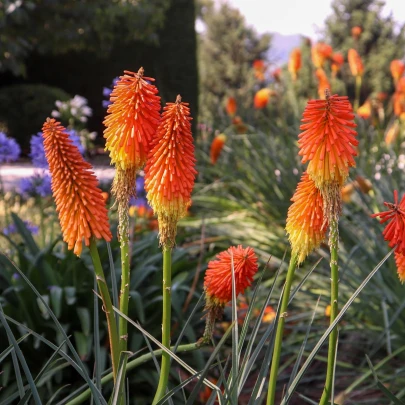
{"x":281,"y":47}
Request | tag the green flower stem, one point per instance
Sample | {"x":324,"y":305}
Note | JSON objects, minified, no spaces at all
{"x":271,"y":393}
{"x":167,"y":285}
{"x":357,"y":95}
{"x":125,"y":275}
{"x":107,"y":306}
{"x":334,"y":292}
{"x":133,"y":364}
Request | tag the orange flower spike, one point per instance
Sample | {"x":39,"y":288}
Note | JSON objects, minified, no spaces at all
{"x":231,"y":106}
{"x":392,"y":133}
{"x":262,"y":98}
{"x":356,"y":32}
{"x":320,"y":52}
{"x":132,"y":120}
{"x":306,"y":225}
{"x":259,"y":68}
{"x":323,"y":83}
{"x":170,"y":170}
{"x":328,"y":139}
{"x":337,"y":62}
{"x":400,"y":262}
{"x":394,"y":232}
{"x":364,"y":111}
{"x":79,"y":202}
{"x":216,"y":147}
{"x":218,"y":277}
{"x":355,"y":63}
{"x":397,"y":68}
{"x":294,"y":63}
{"x":399,"y":103}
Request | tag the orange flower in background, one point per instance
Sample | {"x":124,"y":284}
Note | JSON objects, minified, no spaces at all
{"x":394,"y":232}
{"x":294,"y":63}
{"x":364,"y":111}
{"x":306,"y":225}
{"x":323,"y":83}
{"x":320,"y":52}
{"x":401,"y":85}
{"x":259,"y":68}
{"x":218,"y":277}
{"x":399,"y":103}
{"x":328,"y":139}
{"x":170,"y":170}
{"x":79,"y":201}
{"x":231,"y":106}
{"x":392,"y":133}
{"x":216,"y":147}
{"x":262,"y":98}
{"x":239,"y":125}
{"x":347,"y":192}
{"x":356,"y":32}
{"x":400,"y":262}
{"x":132,"y":120}
{"x":397,"y":68}
{"x":277,"y":75}
{"x":355,"y":63}
{"x":337,"y":62}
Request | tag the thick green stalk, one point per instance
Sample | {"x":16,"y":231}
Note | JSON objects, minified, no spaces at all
{"x":107,"y":306}
{"x":271,"y":393}
{"x":334,"y":292}
{"x":357,"y":94}
{"x":133,"y":364}
{"x":125,"y":273}
{"x":167,"y":285}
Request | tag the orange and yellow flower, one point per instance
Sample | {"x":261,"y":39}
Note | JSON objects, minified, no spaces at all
{"x":294,"y":63}
{"x":356,"y":32}
{"x":355,"y":63}
{"x":400,"y":262}
{"x":397,"y":68}
{"x":323,"y":83}
{"x":259,"y":67}
{"x":337,"y":62}
{"x":320,"y":53}
{"x":79,"y":201}
{"x":170,"y":170}
{"x":399,"y":103}
{"x":364,"y":111}
{"x":394,"y":232}
{"x":132,"y":120}
{"x":216,"y":147}
{"x":392,"y":132}
{"x":306,"y":225}
{"x":328,"y":139}
{"x":218,"y":277}
{"x":231,"y":106}
{"x":262,"y":98}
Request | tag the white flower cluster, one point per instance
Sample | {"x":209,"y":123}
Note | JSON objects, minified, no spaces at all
{"x":77,"y":108}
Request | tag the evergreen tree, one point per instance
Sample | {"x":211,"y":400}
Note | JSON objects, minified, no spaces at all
{"x":227,"y":49}
{"x":381,"y":40}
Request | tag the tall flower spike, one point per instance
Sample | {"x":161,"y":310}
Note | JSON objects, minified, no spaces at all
{"x":170,"y":170}
{"x":79,"y":202}
{"x":306,"y":226}
{"x":328,"y":143}
{"x":394,"y":232}
{"x":218,"y":282}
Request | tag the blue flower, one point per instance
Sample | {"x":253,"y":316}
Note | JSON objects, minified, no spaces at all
{"x":107,"y":92}
{"x":9,"y":149}
{"x":140,"y":200}
{"x":37,"y":153}
{"x":38,"y":185}
{"x":13,"y":229}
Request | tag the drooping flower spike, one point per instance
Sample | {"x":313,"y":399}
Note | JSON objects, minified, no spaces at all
{"x":170,"y":171}
{"x":218,"y":282}
{"x":328,"y":139}
{"x":306,"y":225}
{"x":394,"y":232}
{"x":79,"y":201}
{"x":132,"y":120}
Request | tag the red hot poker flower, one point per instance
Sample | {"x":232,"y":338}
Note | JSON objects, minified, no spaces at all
{"x":170,"y":170}
{"x":328,"y":139}
{"x":218,"y":277}
{"x":79,"y":202}
{"x":400,"y":262}
{"x":394,"y":232}
{"x":216,"y":147}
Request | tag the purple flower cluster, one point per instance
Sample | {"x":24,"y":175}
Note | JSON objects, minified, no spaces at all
{"x":13,"y":229}
{"x":38,"y":185}
{"x":107,"y":92}
{"x":140,"y":200}
{"x":9,"y":149}
{"x":37,"y":153}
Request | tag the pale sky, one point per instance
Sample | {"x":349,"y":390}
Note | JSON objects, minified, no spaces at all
{"x":297,"y":16}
